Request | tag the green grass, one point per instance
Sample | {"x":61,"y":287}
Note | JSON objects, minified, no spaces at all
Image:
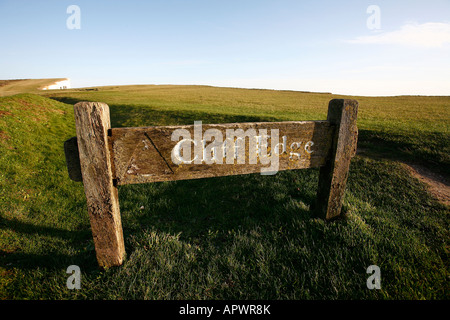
{"x":239,"y":237}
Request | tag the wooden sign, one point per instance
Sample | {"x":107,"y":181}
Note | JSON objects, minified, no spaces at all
{"x":104,"y":157}
{"x":152,"y":154}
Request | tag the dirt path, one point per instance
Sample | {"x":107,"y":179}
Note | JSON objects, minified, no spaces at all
{"x":437,"y":185}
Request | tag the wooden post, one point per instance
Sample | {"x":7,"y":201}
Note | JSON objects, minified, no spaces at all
{"x":333,"y":176}
{"x":92,"y":125}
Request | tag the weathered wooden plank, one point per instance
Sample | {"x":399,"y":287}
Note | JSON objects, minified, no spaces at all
{"x":146,"y":154}
{"x":92,"y":125}
{"x":333,"y":176}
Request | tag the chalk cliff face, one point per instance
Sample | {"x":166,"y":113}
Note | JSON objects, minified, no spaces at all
{"x":63,"y":84}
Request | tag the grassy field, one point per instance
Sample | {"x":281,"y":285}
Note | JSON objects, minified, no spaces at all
{"x":241,"y":237}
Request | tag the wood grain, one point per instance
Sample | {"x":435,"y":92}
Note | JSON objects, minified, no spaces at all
{"x":144,"y":154}
{"x":333,"y":176}
{"x":92,"y":125}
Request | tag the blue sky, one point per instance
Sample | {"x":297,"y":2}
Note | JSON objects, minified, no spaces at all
{"x":324,"y":46}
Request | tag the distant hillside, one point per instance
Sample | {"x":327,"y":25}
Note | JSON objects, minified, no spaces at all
{"x":10,"y":87}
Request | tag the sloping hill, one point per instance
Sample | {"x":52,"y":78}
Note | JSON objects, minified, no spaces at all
{"x":32,"y":132}
{"x":10,"y":87}
{"x":37,"y":201}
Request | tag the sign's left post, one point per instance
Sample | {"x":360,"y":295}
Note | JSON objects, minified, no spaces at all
{"x":92,"y":124}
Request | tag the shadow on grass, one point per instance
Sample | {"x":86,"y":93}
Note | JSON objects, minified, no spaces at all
{"x":136,"y":115}
{"x":51,"y":256}
{"x":196,"y":207}
{"x":193,"y":208}
{"x":430,"y":150}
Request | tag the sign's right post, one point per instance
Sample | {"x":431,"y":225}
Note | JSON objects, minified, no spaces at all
{"x":342,"y":113}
